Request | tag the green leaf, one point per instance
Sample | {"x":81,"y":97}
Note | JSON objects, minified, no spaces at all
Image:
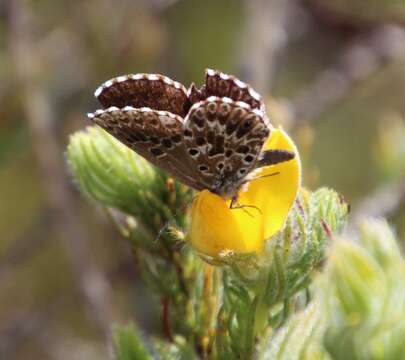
{"x":178,"y":350}
{"x":298,"y":339}
{"x":363,"y":293}
{"x":127,"y":344}
{"x":112,"y":174}
{"x":294,"y":255}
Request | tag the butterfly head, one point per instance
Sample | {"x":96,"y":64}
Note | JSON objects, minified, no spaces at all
{"x":229,"y":187}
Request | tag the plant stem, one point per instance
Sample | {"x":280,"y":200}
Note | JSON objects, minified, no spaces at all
{"x":166,"y":319}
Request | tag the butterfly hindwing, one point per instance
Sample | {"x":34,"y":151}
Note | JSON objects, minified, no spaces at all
{"x":223,"y":85}
{"x":223,"y":139}
{"x":155,"y":135}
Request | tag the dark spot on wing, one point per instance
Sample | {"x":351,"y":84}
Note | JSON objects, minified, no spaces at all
{"x":193,"y":151}
{"x":231,"y":126}
{"x":143,"y":137}
{"x":187,"y":133}
{"x":167,"y":143}
{"x":200,"y":141}
{"x":211,"y":137}
{"x":156,"y":151}
{"x":198,"y":122}
{"x":242,"y":149}
{"x":176,"y":139}
{"x":243,"y":130}
{"x":154,"y":140}
{"x":228,"y":153}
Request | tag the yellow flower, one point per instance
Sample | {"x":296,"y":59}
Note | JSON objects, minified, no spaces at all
{"x":216,"y":229}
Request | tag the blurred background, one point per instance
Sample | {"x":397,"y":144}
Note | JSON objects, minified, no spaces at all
{"x":332,"y":73}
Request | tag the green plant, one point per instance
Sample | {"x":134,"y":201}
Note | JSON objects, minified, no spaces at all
{"x":298,"y":298}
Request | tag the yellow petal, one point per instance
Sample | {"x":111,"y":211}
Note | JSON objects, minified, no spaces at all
{"x":216,"y":228}
{"x":274,"y":195}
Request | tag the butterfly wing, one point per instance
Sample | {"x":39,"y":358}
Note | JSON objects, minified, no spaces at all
{"x":155,"y":91}
{"x":223,"y":85}
{"x":224,"y":139}
{"x":155,"y":135}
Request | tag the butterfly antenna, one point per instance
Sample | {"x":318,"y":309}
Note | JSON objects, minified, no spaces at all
{"x":260,"y":177}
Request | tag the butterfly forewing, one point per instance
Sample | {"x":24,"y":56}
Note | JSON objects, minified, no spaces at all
{"x":155,"y":135}
{"x":223,"y":139}
{"x":155,"y":91}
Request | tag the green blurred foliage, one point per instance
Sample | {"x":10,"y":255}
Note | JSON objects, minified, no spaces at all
{"x":358,"y":308}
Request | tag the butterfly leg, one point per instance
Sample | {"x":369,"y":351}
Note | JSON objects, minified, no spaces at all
{"x":235,"y":205}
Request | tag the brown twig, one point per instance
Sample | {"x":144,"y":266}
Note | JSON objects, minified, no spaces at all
{"x":49,"y":155}
{"x":166,"y":318}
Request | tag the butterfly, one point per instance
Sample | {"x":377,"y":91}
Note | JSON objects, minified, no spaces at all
{"x":208,"y":138}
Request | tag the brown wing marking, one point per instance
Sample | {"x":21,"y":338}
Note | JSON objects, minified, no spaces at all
{"x":155,"y":91}
{"x":223,"y":85}
{"x":224,"y":139}
{"x":155,"y":135}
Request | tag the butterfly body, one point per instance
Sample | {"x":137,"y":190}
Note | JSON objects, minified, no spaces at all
{"x":208,"y":138}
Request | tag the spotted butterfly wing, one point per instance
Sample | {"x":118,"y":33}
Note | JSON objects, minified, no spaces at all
{"x":155,"y":91}
{"x":155,"y":134}
{"x":223,"y":85}
{"x":224,"y":139}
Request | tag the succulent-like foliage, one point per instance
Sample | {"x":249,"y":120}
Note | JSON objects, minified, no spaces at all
{"x":358,"y":308}
{"x":115,"y":176}
{"x":128,"y":345}
{"x":238,"y":309}
{"x":364,"y":296}
{"x":298,"y":339}
{"x":262,"y":292}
